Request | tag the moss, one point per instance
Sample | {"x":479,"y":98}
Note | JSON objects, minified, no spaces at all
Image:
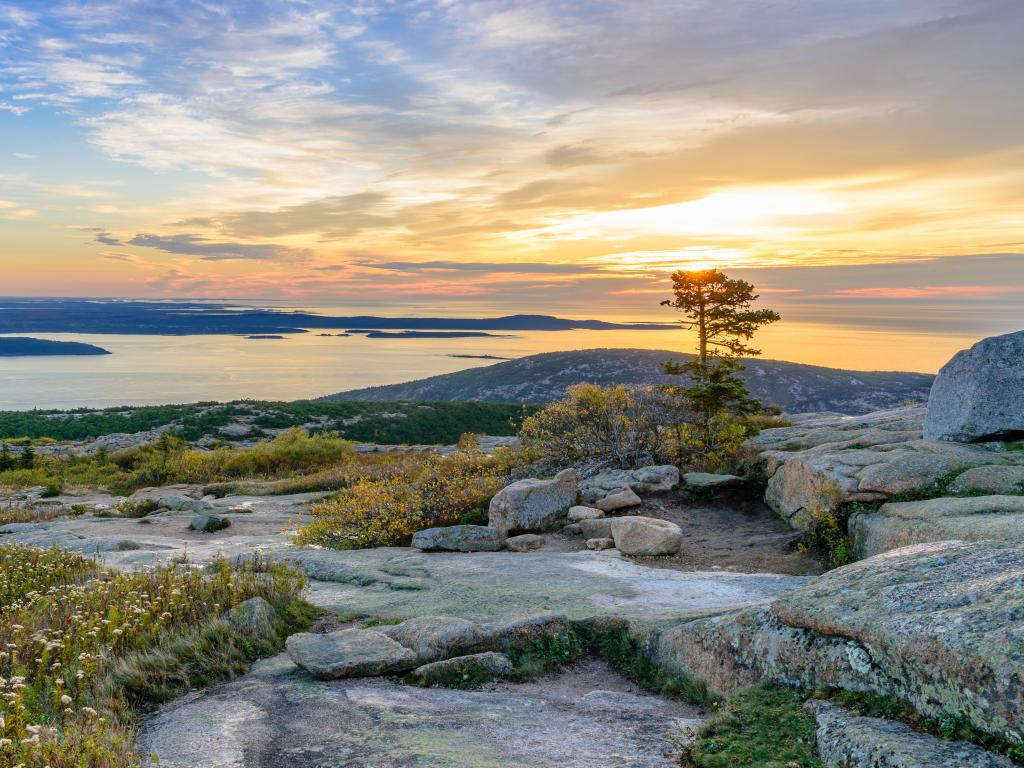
{"x":616,"y":642}
{"x":540,"y":655}
{"x":765,"y":726}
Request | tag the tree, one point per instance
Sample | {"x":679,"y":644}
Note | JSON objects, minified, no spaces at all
{"x":27,"y":460}
{"x":718,"y":308}
{"x":6,"y":459}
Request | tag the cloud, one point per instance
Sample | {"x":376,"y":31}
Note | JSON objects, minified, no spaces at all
{"x":193,"y":245}
{"x":107,"y":239}
{"x":469,"y":267}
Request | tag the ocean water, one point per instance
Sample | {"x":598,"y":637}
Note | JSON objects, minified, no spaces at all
{"x":147,"y":370}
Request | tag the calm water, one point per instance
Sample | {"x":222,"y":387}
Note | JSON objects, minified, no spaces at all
{"x":147,"y":370}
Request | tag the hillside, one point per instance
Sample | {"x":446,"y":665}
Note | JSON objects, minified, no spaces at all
{"x":794,"y":387}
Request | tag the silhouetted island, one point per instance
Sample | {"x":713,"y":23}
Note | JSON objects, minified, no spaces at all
{"x":23,"y":346}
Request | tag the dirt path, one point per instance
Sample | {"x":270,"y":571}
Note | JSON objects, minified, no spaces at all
{"x":732,"y":531}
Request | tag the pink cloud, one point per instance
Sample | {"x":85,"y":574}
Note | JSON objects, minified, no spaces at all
{"x":934,"y":291}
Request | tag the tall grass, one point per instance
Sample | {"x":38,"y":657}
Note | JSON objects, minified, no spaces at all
{"x":70,"y":647}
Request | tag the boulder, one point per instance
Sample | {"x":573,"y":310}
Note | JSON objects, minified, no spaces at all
{"x":576,"y":514}
{"x":436,"y":637}
{"x":707,"y":481}
{"x":990,"y":480}
{"x":653,"y":479}
{"x":599,"y":544}
{"x":524,"y":542}
{"x":465,"y":670}
{"x":596,"y":528}
{"x":209,"y":523}
{"x":459,"y":538}
{"x":349,"y":653}
{"x":254,"y":617}
{"x":974,"y":518}
{"x":572,"y":529}
{"x":646,"y":536}
{"x":977,"y":395}
{"x":623,"y":499}
{"x":848,"y":741}
{"x":531,"y":632}
{"x":533,"y":505}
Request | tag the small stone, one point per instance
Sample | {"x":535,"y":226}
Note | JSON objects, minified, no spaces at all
{"x":349,"y":653}
{"x":646,"y":536}
{"x":622,"y":500}
{"x":209,"y":523}
{"x":254,"y":617}
{"x":600,"y":543}
{"x":576,"y":514}
{"x":459,"y":538}
{"x":524,"y":542}
{"x":572,"y":529}
{"x":464,"y":670}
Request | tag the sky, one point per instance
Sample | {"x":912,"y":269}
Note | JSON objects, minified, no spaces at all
{"x":858,"y":160}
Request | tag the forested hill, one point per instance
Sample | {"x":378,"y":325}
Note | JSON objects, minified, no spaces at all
{"x":794,"y":387}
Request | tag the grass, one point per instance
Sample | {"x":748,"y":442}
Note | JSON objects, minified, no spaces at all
{"x":615,"y":642}
{"x":764,"y":726}
{"x":87,"y":652}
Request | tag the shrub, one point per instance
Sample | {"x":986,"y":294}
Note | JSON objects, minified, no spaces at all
{"x":416,"y":493}
{"x":617,"y":425}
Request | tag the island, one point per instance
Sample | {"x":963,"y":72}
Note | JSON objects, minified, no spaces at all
{"x":25,"y":346}
{"x":264,"y":336}
{"x":431,"y":334}
{"x":481,"y":357}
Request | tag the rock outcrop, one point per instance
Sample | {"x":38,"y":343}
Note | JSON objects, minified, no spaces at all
{"x":533,"y":505}
{"x":935,"y":625}
{"x":827,"y":461}
{"x":900,"y":524}
{"x":977,"y":395}
{"x":847,"y":741}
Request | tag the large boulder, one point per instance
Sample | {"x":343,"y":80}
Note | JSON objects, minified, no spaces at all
{"x":646,"y":536}
{"x":990,"y":480}
{"x":350,"y":653}
{"x":459,"y":538}
{"x":977,"y":395}
{"x":653,"y":479}
{"x":533,"y":505}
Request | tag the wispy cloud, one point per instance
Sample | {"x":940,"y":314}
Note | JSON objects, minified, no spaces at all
{"x":193,"y":245}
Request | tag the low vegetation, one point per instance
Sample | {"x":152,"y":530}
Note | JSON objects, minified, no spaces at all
{"x":397,"y":499}
{"x":765,"y":726}
{"x":87,"y":652}
{"x":396,"y":423}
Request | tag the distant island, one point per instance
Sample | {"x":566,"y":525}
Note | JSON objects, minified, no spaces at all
{"x":431,"y":334}
{"x":265,"y":336}
{"x":481,"y":357}
{"x":187,"y":318}
{"x":23,"y":346}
